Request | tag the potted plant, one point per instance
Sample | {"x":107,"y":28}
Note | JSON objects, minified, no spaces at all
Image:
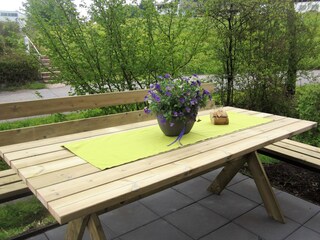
{"x":176,"y":103}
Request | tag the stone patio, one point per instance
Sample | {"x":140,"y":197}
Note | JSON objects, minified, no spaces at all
{"x":187,"y":211}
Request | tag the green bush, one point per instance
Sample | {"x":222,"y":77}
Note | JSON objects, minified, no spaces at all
{"x":18,"y":69}
{"x":308,"y":107}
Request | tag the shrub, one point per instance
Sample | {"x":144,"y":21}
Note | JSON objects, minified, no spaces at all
{"x":308,"y":107}
{"x":18,"y":69}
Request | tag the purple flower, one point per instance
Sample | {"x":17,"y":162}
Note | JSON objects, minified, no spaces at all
{"x":193,"y":101}
{"x":185,"y":79}
{"x":147,"y":110}
{"x":188,"y":109}
{"x":195,"y":75}
{"x":171,"y":124}
{"x":155,"y":97}
{"x":162,"y":119}
{"x":168,"y":93}
{"x":157,"y":87}
{"x":175,"y":114}
{"x":160,"y":77}
{"x":146,"y":98}
{"x":205,"y":92}
{"x":182,"y":100}
{"x":167,"y":75}
{"x":199,"y":83}
{"x":193,"y":83}
{"x":151,"y":86}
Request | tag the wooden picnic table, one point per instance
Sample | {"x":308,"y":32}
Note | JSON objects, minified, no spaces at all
{"x":75,"y":192}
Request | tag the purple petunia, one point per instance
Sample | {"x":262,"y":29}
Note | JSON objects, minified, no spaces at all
{"x":188,"y":109}
{"x":157,"y":87}
{"x":147,"y":110}
{"x":155,"y":97}
{"x":193,"y":101}
{"x":182,"y":100}
{"x":162,"y":119}
{"x":167,"y":75}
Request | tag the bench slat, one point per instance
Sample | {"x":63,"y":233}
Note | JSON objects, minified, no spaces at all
{"x":74,"y":103}
{"x":69,"y":127}
{"x":5,"y":173}
{"x":13,"y":191}
{"x":294,"y":152}
{"x":9,"y":179}
{"x":298,"y":150}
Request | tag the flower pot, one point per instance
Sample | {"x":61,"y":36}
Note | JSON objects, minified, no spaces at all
{"x":177,"y":126}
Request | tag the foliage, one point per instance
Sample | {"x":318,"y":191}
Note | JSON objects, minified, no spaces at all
{"x":21,"y":216}
{"x":120,"y":47}
{"x":261,"y":44}
{"x":308,"y":108}
{"x":176,"y":99}
{"x":17,"y":69}
{"x":3,"y":165}
{"x":11,"y":39}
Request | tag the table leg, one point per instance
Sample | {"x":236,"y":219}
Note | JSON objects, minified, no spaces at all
{"x":259,"y":175}
{"x":76,"y":228}
{"x":226,"y":175}
{"x":95,"y":228}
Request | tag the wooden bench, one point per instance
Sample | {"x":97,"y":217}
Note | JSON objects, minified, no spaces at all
{"x":11,"y":185}
{"x":295,"y":153}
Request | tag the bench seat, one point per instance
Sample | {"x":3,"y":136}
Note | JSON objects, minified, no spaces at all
{"x":295,"y":153}
{"x":11,"y":186}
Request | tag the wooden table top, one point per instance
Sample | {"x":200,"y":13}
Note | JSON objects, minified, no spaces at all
{"x":70,"y":188}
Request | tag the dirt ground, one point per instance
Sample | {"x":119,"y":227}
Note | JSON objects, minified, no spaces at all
{"x":297,"y":181}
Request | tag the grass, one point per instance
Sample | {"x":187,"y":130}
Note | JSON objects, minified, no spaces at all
{"x":54,"y":118}
{"x":31,"y":85}
{"x":22,"y":216}
{"x":267,"y":160}
{"x":3,"y":165}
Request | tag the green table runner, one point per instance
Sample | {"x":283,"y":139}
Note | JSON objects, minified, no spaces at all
{"x":124,"y":147}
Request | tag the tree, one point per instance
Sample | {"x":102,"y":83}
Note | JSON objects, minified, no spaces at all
{"x":230,"y":21}
{"x":120,"y":47}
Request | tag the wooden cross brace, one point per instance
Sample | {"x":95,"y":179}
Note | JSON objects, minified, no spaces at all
{"x":261,"y":180}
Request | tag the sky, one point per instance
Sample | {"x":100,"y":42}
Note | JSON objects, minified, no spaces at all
{"x":16,"y":5}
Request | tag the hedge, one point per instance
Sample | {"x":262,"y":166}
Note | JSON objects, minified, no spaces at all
{"x":18,"y":69}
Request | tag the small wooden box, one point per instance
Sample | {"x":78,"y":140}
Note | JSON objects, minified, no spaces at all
{"x":222,"y":120}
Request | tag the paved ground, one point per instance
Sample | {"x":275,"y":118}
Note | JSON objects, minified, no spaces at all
{"x":187,"y":211}
{"x":52,"y":91}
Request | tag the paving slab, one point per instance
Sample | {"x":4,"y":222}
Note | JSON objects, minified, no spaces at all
{"x":247,"y":188}
{"x":304,"y":233}
{"x":314,"y":223}
{"x":228,"y":204}
{"x":297,"y":209}
{"x":196,"y":221}
{"x":231,"y":231}
{"x":258,"y":222}
{"x":195,"y":188}
{"x":166,"y":202}
{"x":157,"y":230}
{"x":128,"y":218}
